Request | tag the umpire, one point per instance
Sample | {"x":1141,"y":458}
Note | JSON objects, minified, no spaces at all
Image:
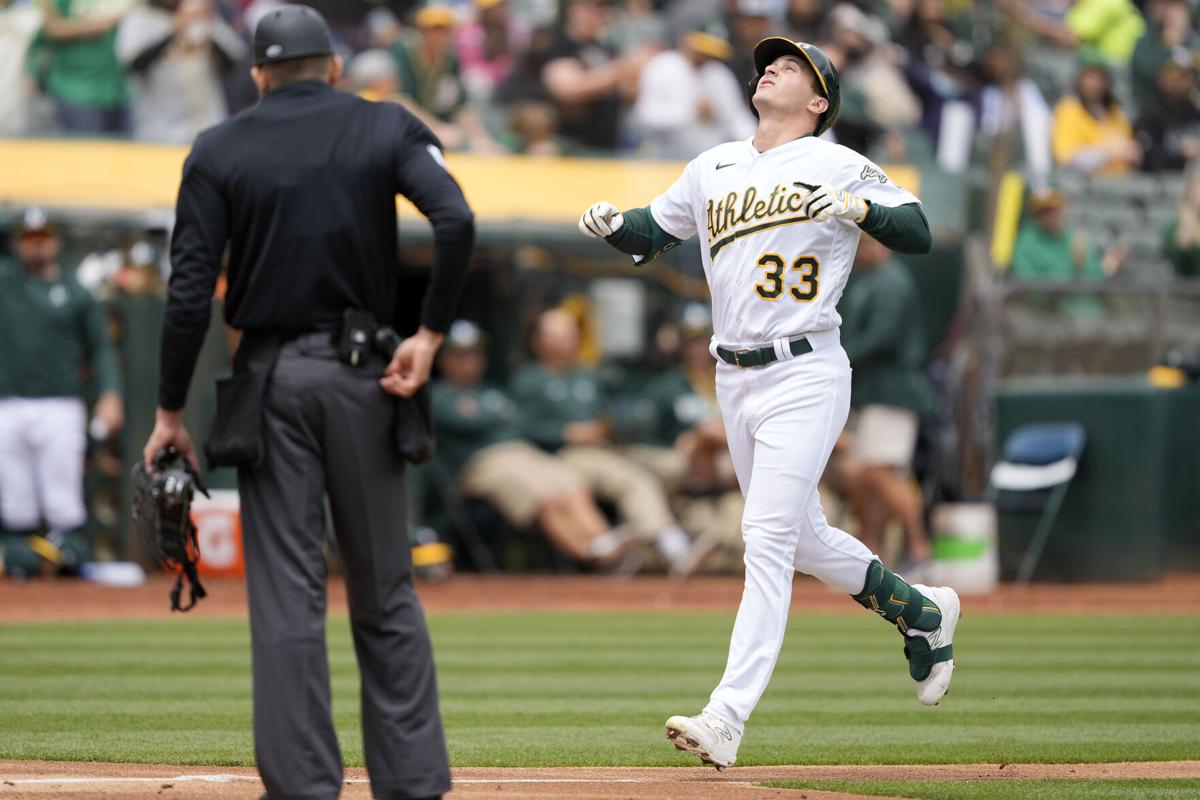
{"x":303,"y":190}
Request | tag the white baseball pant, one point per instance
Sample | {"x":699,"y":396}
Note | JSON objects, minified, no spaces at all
{"x":782,"y":421}
{"x":42,"y":446}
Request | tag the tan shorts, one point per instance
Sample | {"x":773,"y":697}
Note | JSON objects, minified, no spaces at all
{"x":884,"y":436}
{"x":516,"y":479}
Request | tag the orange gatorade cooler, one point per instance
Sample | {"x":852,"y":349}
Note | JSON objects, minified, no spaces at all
{"x":219,"y":533}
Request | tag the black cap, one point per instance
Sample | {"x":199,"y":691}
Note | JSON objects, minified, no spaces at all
{"x":291,"y":32}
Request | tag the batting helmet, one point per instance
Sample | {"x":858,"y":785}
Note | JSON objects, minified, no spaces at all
{"x":291,"y":32}
{"x":828,"y":83}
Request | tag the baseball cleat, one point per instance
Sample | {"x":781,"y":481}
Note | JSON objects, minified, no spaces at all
{"x":705,"y":736}
{"x":932,"y":649}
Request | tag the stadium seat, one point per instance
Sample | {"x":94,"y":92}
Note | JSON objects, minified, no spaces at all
{"x":1036,"y":467}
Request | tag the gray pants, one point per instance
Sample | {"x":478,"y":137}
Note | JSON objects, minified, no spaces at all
{"x":328,"y":429}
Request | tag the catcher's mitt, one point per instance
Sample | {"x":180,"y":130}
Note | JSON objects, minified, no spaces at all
{"x":162,"y":500}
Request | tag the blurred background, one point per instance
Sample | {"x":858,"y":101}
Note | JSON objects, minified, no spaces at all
{"x":1026,"y":396}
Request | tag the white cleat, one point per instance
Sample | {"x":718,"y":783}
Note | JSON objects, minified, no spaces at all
{"x":712,"y":740}
{"x":937,"y":683}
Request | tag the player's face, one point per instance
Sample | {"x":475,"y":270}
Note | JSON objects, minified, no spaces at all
{"x":1052,"y":219}
{"x":37,"y":249}
{"x":462,"y":367}
{"x":558,"y":337}
{"x":786,"y":84}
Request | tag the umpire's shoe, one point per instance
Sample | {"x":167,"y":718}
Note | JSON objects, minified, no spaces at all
{"x":929,"y":654}
{"x":713,"y":740}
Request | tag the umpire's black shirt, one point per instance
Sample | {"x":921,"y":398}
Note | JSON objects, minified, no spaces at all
{"x":303,"y":188}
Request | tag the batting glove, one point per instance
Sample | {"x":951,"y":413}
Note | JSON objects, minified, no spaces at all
{"x":601,"y":220}
{"x":827,"y":201}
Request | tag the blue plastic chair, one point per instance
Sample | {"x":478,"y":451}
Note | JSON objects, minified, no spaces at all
{"x":1037,"y":460}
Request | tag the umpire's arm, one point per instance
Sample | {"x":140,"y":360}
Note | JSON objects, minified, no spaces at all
{"x":422,"y":177}
{"x":197,"y":244}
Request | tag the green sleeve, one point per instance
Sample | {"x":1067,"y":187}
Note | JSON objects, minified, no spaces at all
{"x":883,"y":330}
{"x":902,"y":228}
{"x":99,"y":349}
{"x":641,"y":236}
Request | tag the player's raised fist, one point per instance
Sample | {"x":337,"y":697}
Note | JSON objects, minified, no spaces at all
{"x":825,"y":201}
{"x":601,"y":220}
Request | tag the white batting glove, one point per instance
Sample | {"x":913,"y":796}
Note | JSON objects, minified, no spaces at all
{"x":601,"y":220}
{"x":827,"y":201}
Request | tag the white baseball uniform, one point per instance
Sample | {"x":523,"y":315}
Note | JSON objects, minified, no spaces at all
{"x":774,"y":274}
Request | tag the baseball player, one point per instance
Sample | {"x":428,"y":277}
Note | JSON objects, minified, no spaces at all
{"x":780,"y":217}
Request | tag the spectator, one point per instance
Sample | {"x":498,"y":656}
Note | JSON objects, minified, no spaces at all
{"x":1108,"y":28}
{"x":564,"y":405}
{"x":176,"y":52}
{"x":373,"y":75}
{"x":751,"y":21}
{"x":686,"y":445}
{"x":50,"y":327}
{"x":490,"y":46}
{"x":1091,"y":133}
{"x":1046,"y":249}
{"x":804,"y":18}
{"x":939,"y":60}
{"x":19,"y":24}
{"x":877,"y":100}
{"x":479,"y":443}
{"x":689,"y":101}
{"x":352,"y":22}
{"x":75,"y":62}
{"x":585,"y":78}
{"x":431,"y":79}
{"x":882,"y":335}
{"x":533,"y":128}
{"x":1168,"y":129}
{"x":1011,"y":106}
{"x":1169,"y":35}
{"x":1181,"y":238}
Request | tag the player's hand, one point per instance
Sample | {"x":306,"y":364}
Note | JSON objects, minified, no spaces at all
{"x":601,"y":220}
{"x":108,"y":416}
{"x":825,"y":201}
{"x":169,"y":430}
{"x":411,"y":363}
{"x":591,"y":432}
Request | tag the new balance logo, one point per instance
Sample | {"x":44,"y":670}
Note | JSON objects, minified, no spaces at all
{"x":723,"y":166}
{"x":724,"y":734}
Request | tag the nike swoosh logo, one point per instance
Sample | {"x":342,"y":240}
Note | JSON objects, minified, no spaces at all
{"x":723,"y":166}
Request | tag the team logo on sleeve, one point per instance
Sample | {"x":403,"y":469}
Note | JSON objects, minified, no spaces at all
{"x":870,"y":172}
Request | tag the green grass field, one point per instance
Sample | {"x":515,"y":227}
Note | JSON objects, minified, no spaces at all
{"x":515,"y":686}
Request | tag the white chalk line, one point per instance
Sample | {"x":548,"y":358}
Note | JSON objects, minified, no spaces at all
{"x":233,"y":778}
{"x":174,"y":779}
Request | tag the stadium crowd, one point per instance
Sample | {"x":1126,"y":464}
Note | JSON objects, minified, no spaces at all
{"x":1094,"y":86}
{"x":614,"y":477}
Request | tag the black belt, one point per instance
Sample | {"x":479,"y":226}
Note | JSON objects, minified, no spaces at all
{"x":761,"y":356}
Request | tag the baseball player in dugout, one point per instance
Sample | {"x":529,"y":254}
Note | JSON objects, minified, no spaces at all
{"x":324,"y":396}
{"x":779,"y":216}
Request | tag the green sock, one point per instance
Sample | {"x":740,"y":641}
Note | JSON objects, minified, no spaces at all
{"x":886,"y":593}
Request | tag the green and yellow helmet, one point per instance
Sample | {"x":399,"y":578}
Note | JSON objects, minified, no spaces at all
{"x":828,"y":82}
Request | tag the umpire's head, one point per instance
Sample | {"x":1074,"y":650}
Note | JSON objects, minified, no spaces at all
{"x":293,"y":43}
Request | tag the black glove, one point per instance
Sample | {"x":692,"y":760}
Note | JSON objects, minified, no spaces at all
{"x":162,"y":500}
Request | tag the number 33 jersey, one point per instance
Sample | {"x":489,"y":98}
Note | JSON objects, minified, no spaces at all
{"x":771,"y":270}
